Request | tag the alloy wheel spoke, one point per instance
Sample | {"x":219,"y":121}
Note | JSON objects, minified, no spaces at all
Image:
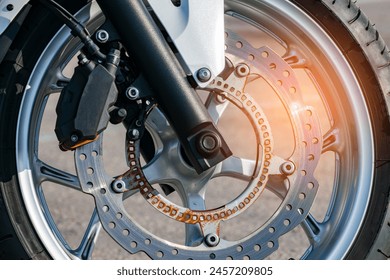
{"x":160,"y":130}
{"x":294,"y":59}
{"x":158,"y":171}
{"x":130,"y":193}
{"x":46,"y":172}
{"x":194,"y":233}
{"x":332,"y":141}
{"x":312,"y":229}
{"x":58,"y":84}
{"x":87,"y":245}
{"x":278,"y":185}
{"x":236,"y":167}
{"x":245,"y":169}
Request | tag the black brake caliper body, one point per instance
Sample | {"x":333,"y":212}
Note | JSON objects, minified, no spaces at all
{"x":83,"y":110}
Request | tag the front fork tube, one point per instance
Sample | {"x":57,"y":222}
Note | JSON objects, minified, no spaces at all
{"x":202,"y":143}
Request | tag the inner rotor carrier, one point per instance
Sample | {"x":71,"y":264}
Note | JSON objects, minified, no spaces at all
{"x":297,"y":195}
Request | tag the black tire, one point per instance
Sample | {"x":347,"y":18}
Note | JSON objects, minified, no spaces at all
{"x":18,"y":239}
{"x":344,"y":22}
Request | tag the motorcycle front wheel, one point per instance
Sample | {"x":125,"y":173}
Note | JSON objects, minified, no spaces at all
{"x":310,"y":90}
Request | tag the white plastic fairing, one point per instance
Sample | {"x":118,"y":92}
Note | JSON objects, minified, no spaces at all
{"x":197,"y":29}
{"x":8,"y":11}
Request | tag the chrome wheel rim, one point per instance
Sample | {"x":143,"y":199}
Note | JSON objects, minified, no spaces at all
{"x":348,"y":205}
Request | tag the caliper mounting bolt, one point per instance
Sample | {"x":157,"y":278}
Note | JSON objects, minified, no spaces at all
{"x":132,"y":93}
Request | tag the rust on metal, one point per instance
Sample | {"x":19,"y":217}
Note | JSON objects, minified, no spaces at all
{"x":136,"y":179}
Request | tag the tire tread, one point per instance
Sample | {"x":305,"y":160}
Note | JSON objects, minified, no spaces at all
{"x":378,"y":54}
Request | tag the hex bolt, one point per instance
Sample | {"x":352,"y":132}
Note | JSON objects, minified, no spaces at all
{"x":122,"y":113}
{"x":212,"y":240}
{"x":208,"y":144}
{"x":102,"y":36}
{"x":132,"y":93}
{"x":204,"y":75}
{"x":134,"y":134}
{"x":74,"y":138}
{"x":118,"y":115}
{"x":242,"y":70}
{"x":119,"y":186}
{"x":287,"y":168}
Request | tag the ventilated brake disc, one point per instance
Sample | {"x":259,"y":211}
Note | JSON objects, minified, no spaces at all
{"x":297,"y":193}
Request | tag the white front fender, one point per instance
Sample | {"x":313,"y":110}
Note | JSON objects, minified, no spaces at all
{"x":8,"y":11}
{"x":197,"y":30}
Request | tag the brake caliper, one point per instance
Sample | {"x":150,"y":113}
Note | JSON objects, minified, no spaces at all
{"x":83,"y":108}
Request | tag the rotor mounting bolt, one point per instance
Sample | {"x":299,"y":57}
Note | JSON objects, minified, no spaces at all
{"x":242,"y":70}
{"x":204,"y":75}
{"x":119,"y":186}
{"x":212,"y":240}
{"x":132,"y":93}
{"x":134,"y":134}
{"x":220,"y":98}
{"x":287,"y":168}
{"x":102,"y":36}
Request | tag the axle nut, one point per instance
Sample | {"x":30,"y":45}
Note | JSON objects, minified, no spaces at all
{"x":208,"y":144}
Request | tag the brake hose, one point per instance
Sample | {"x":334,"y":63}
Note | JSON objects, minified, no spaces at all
{"x":77,"y":28}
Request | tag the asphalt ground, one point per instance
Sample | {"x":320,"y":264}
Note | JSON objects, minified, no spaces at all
{"x":71,"y":211}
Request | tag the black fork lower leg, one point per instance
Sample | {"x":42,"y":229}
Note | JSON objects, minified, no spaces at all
{"x":203,"y":144}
